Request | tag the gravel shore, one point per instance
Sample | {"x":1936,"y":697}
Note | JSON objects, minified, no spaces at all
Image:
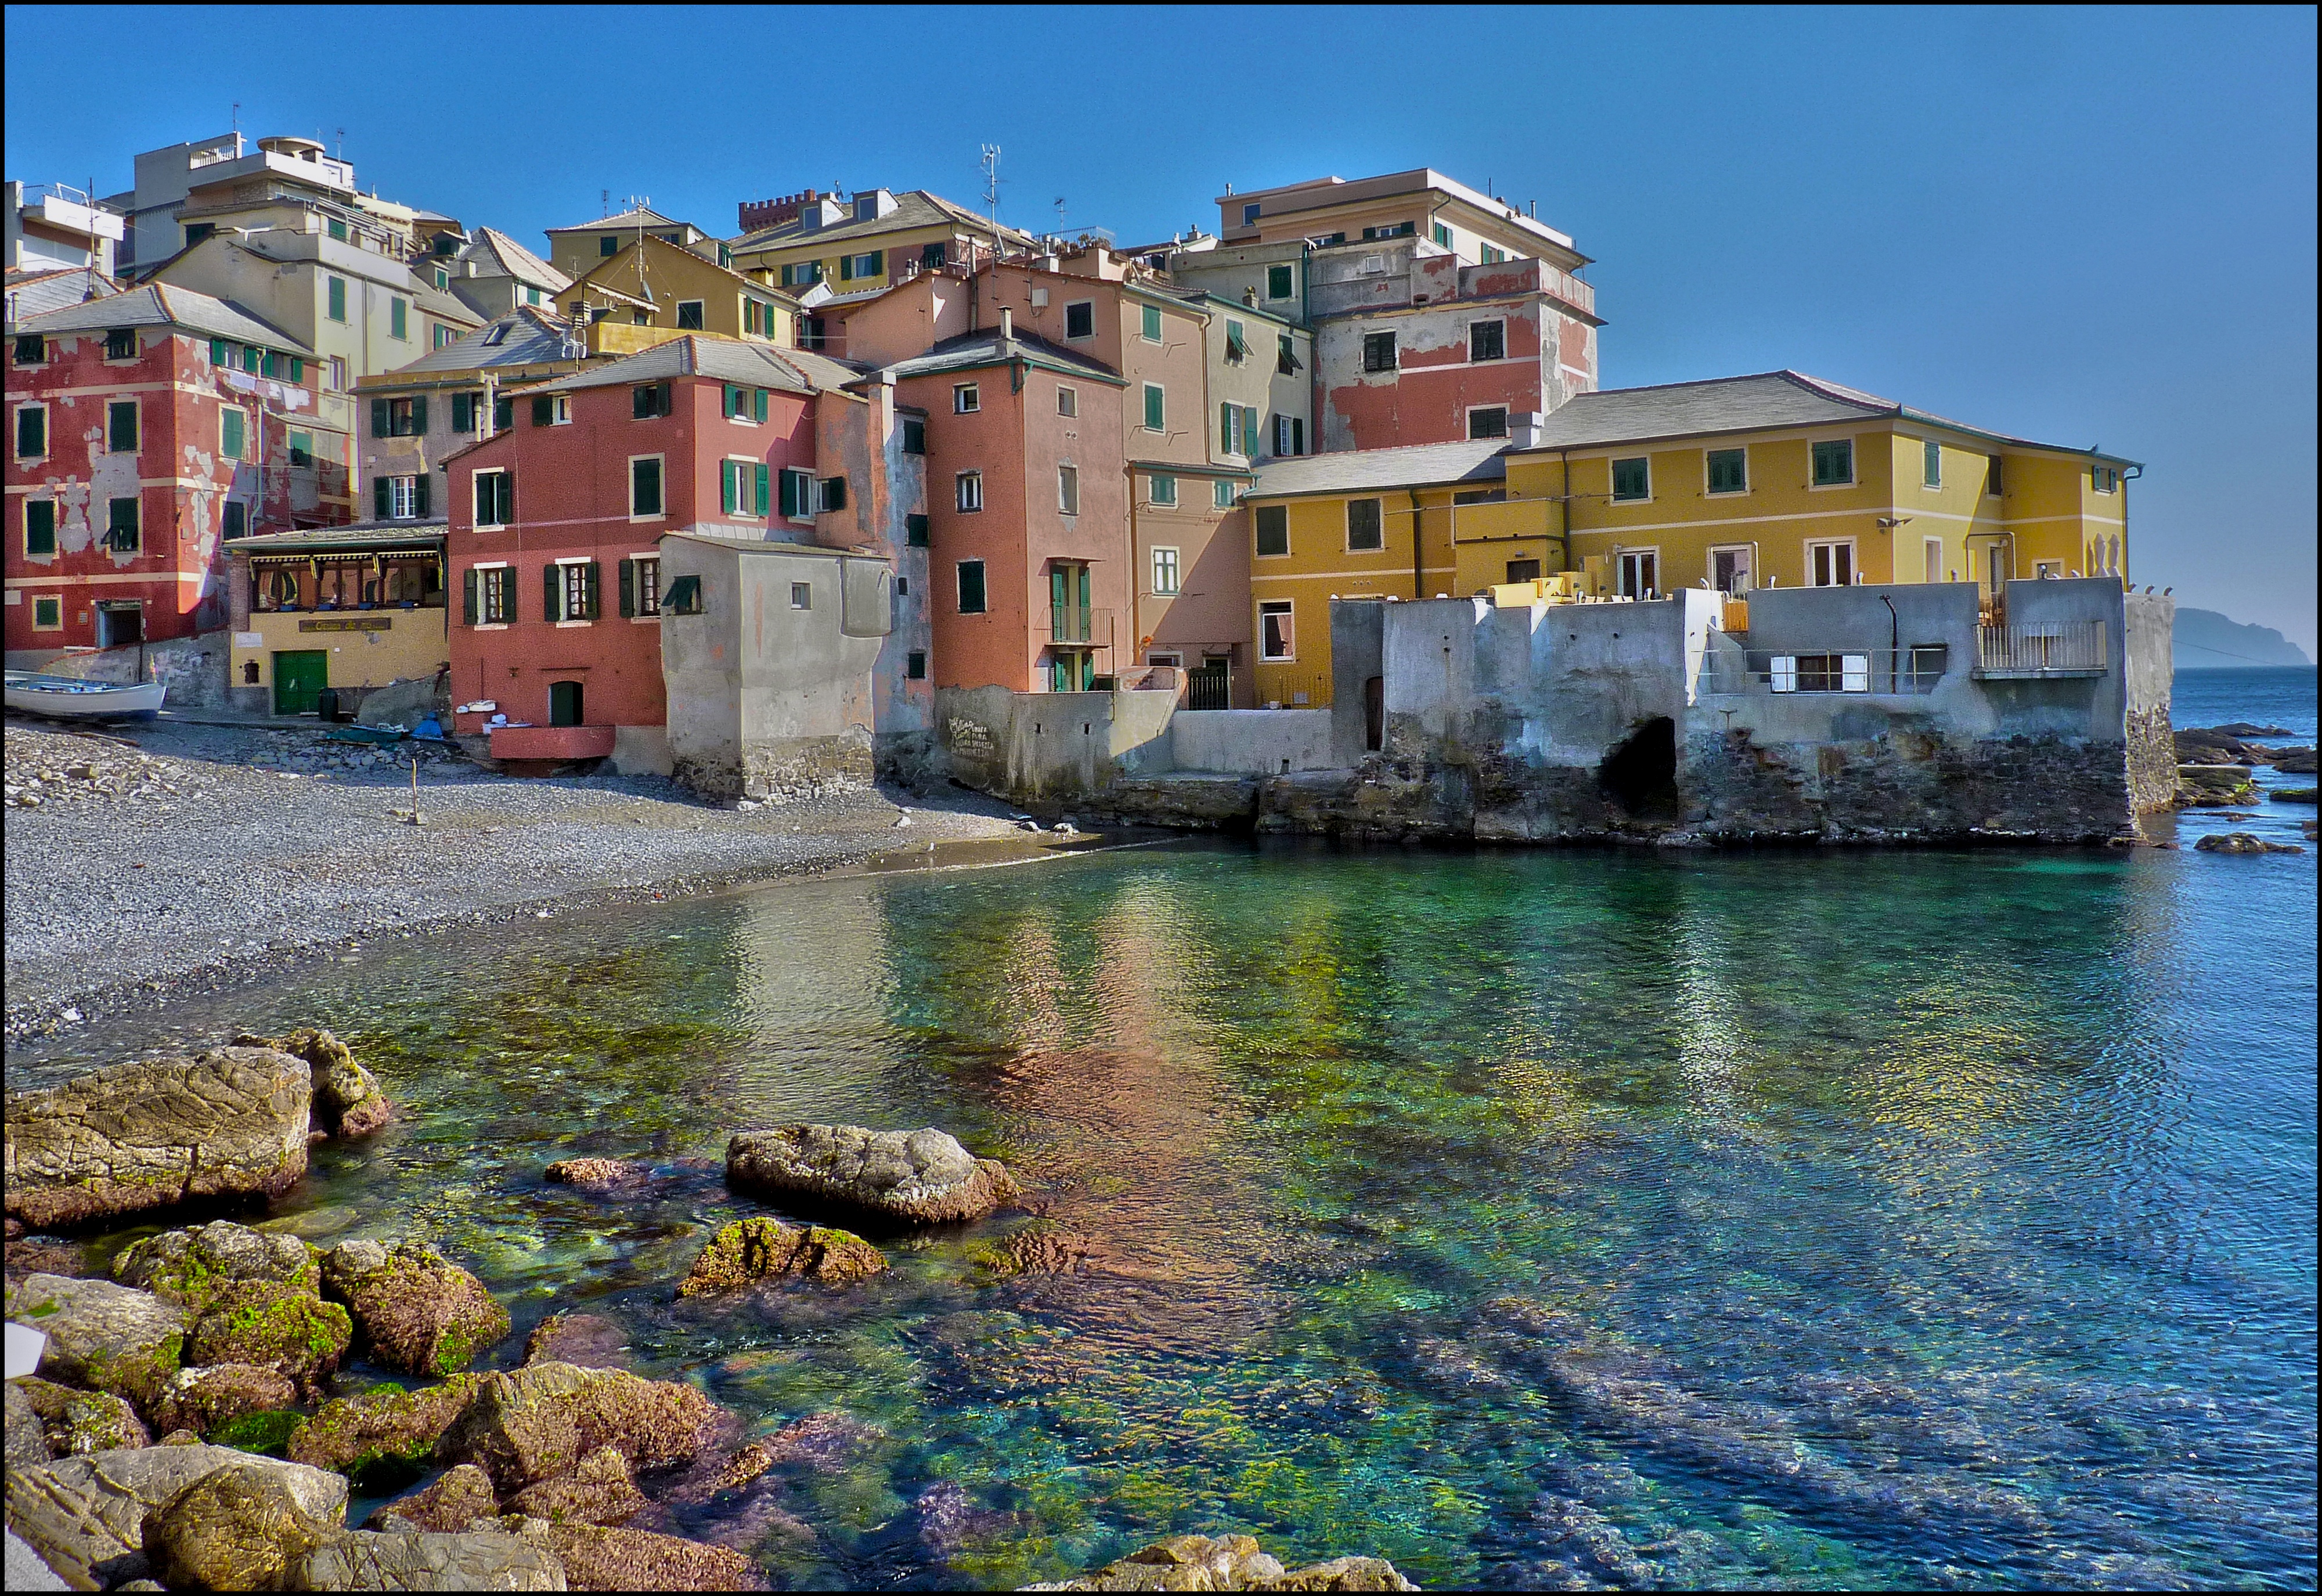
{"x":173,"y":852}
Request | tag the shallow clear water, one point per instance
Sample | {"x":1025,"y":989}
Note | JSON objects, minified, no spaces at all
{"x":1848,"y":1218}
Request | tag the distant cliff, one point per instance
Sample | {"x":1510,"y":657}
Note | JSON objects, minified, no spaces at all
{"x":2208,"y":640}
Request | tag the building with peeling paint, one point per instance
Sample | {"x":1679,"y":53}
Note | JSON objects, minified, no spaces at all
{"x":145,"y":429}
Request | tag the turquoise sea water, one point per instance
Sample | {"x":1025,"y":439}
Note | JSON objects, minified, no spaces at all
{"x":1786,"y":1219}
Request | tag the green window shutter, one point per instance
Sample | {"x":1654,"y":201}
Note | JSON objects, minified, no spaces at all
{"x":790,"y":494}
{"x":217,"y":352}
{"x":508,"y":501}
{"x":544,"y":410}
{"x":338,"y":298}
{"x":760,"y":404}
{"x":628,"y":589}
{"x":1153,"y":323}
{"x":761,"y":484}
{"x":378,"y":421}
{"x":419,"y":415}
{"x":878,"y":263}
{"x":462,"y":413}
{"x":468,"y":595}
{"x":381,"y":506}
{"x":834,"y":493}
{"x":419,"y":493}
{"x":1229,"y":424}
{"x":1157,"y":406}
{"x":552,"y":592}
{"x":725,"y":484}
{"x":298,"y":368}
{"x":595,"y":587}
{"x":666,"y":407}
{"x":40,"y":526}
{"x":915,"y":532}
{"x":845,"y":268}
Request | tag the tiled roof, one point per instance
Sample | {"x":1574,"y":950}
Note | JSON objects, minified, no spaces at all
{"x":914,"y":207}
{"x":427,"y":531}
{"x":724,"y":360}
{"x":513,"y":259}
{"x":967,"y":350}
{"x":531,"y":338}
{"x":36,"y":293}
{"x":640,"y":217}
{"x":1360,"y":470}
{"x":157,"y":305}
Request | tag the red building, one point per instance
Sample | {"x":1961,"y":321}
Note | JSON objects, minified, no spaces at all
{"x":145,"y":430}
{"x":556,"y":522}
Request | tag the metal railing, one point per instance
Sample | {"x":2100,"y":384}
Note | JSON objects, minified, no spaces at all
{"x":2068,"y":649}
{"x":1071,"y":623}
{"x":1914,"y":670}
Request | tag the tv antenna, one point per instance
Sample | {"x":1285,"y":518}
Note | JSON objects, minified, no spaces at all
{"x":1060,"y":216}
{"x":991,"y":181}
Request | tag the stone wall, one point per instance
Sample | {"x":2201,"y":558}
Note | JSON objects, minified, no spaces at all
{"x":194,"y":668}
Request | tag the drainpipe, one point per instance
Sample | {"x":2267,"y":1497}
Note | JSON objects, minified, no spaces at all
{"x":1136,"y":590}
{"x":1417,"y":563}
{"x":1894,"y":645}
{"x":1563,"y":503}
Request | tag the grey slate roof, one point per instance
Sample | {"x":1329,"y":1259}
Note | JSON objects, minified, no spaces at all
{"x":1361,"y":471}
{"x":533,"y":337}
{"x":426,"y":533}
{"x":157,"y":305}
{"x":37,"y":293}
{"x":492,"y":247}
{"x":759,"y":365}
{"x":967,"y":350}
{"x":640,"y":217}
{"x":914,"y":207}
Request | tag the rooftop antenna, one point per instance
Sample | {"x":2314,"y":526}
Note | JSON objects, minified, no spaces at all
{"x":1060,"y":216}
{"x":604,"y":202}
{"x":991,"y":181}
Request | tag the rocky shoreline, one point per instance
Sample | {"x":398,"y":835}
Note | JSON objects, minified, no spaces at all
{"x":200,"y":1421}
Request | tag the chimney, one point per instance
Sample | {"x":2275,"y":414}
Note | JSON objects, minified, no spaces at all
{"x":1524,"y":428}
{"x":1007,"y":323}
{"x":1250,"y":297}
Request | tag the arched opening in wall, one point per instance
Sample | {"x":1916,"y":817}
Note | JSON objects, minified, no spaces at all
{"x":1374,"y":712}
{"x":1639,"y":774}
{"x":564,"y":704}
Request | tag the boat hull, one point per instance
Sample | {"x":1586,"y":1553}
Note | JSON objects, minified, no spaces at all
{"x":63,"y":699}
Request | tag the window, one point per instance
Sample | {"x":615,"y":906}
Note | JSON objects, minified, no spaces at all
{"x":2104,"y":479}
{"x":503,"y":414}
{"x":915,"y":532}
{"x":494,"y":499}
{"x":33,"y":432}
{"x":443,"y":335}
{"x":1443,"y":236}
{"x":1834,"y":463}
{"x":1991,"y":478}
{"x":489,"y":599}
{"x":749,"y":315}
{"x":1161,"y":491}
{"x":237,"y":518}
{"x":400,"y":498}
{"x":689,"y":314}
{"x":233,"y":427}
{"x":532,"y":297}
{"x":1068,"y":401}
{"x":40,"y":526}
{"x":1366,"y":524}
{"x":47,"y":615}
{"x":1156,"y":409}
{"x":569,"y":590}
{"x":641,"y":586}
{"x":1639,"y":572}
{"x":253,"y":357}
{"x":915,"y":663}
{"x":1932,"y":554}
{"x":1488,"y":421}
{"x":121,"y":427}
{"x":335,"y":290}
{"x":742,"y":486}
{"x":1480,"y":495}
{"x":646,"y":403}
{"x":398,"y":318}
{"x":1152,"y":324}
{"x":915,"y":435}
{"x":122,"y":532}
{"x":967,"y":491}
{"x":738,"y":403}
{"x":339,"y":373}
{"x":1379,"y":351}
{"x":399,"y":418}
{"x":1237,"y":343}
{"x":1221,"y":494}
{"x":970,"y":587}
{"x":1490,"y":256}
{"x":644,"y":487}
{"x":337,"y":229}
{"x":1275,"y":640}
{"x":797,"y":494}
{"x":1289,"y":434}
{"x":801,"y":594}
{"x":121,"y":344}
{"x":966,"y":398}
{"x":873,"y":265}
{"x":443,"y":283}
{"x":1229,"y":429}
{"x":684,"y":597}
{"x":1249,"y":213}
{"x":1632,"y":478}
{"x":1488,"y":341}
{"x":1831,"y":564}
{"x":1068,"y":489}
{"x":1931,"y":464}
{"x":1273,"y":530}
{"x":804,"y":274}
{"x":931,"y":255}
{"x":1729,"y":568}
{"x":1285,"y":356}
{"x":609,"y":244}
{"x":1165,"y":571}
{"x":32,"y":349}
{"x":1729,"y":471}
{"x":903,"y":587}
{"x":834,"y":493}
{"x":1279,"y":282}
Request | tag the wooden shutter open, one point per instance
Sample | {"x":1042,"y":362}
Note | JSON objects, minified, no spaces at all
{"x":591,"y":587}
{"x":506,"y":493}
{"x":760,"y":404}
{"x":419,"y":415}
{"x":628,"y":589}
{"x":544,"y":410}
{"x":420,"y":486}
{"x":467,"y":595}
{"x":551,"y":593}
{"x":382,"y":503}
{"x":763,"y":487}
{"x":379,"y":424}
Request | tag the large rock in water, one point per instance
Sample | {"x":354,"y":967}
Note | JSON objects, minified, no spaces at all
{"x":540,"y":1422}
{"x":230,"y":1123}
{"x":191,"y":1267}
{"x":418,"y":1310}
{"x":237,"y":1528}
{"x":599,"y":1490}
{"x":203,"y":1400}
{"x":86,"y":1516}
{"x":756,"y":1251}
{"x":102,"y":1335}
{"x":79,"y":1422}
{"x":413,"y":1560}
{"x":598,"y":1559}
{"x":588,"y":1339}
{"x":451,"y":1501}
{"x":354,"y":1435}
{"x":920,"y":1177}
{"x":348,"y":1100}
{"x":1230,"y":1563}
{"x":28,"y":1434}
{"x":273,"y":1326}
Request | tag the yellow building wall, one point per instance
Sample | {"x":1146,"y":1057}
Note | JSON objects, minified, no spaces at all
{"x":907,"y":244}
{"x":411,"y":642}
{"x":675,"y":275}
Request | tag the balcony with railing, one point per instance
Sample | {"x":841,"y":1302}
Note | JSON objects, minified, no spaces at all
{"x":1737,"y":672}
{"x":1072,"y":623}
{"x":2038,"y":652}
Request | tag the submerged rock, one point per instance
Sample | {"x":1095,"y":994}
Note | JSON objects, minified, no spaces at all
{"x":2242,"y":842}
{"x":416,"y":1560}
{"x":597,"y":1559}
{"x":453,"y":1500}
{"x":417,"y":1309}
{"x":231,"y":1122}
{"x":1230,"y":1563}
{"x":920,"y":1177}
{"x":947,"y":1519}
{"x":45,"y":1255}
{"x":28,"y":1437}
{"x":79,"y":1422}
{"x":275,"y":1325}
{"x":242,"y":1527}
{"x":540,"y":1421}
{"x":827,"y":1443}
{"x":190,"y":1267}
{"x":86,"y":1516}
{"x":755,"y":1251}
{"x":598,"y":1491}
{"x":597,"y":1174}
{"x":203,"y":1399}
{"x":101,"y":1336}
{"x":386,"y":1425}
{"x":588,"y":1339}
{"x":1040,"y":1248}
{"x":348,"y":1101}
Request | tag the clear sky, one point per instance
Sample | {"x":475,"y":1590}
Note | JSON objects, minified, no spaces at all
{"x":2086,"y":226}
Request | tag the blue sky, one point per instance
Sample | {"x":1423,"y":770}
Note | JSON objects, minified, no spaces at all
{"x":2086,"y":226}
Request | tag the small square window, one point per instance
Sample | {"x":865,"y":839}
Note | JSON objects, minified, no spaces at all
{"x":31,"y":348}
{"x":1379,"y":351}
{"x":915,"y":663}
{"x":1221,"y":495}
{"x":966,"y":398}
{"x":1632,"y":480}
{"x":47,"y":615}
{"x":1488,"y":421}
{"x":121,"y":344}
{"x":1161,"y":490}
{"x":1488,"y":341}
{"x":1152,"y":324}
{"x":689,"y":314}
{"x":1080,"y":319}
{"x":1249,"y":213}
{"x":801,"y":596}
{"x":608,"y":245}
{"x":1068,"y":401}
{"x":1834,"y":463}
{"x":1366,"y":526}
{"x":1729,"y":471}
{"x":1278,"y":282}
{"x":915,"y":435}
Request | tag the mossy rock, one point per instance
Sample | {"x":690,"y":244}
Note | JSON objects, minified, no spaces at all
{"x":418,"y":1311}
{"x":273,"y":1326}
{"x":387,"y":1430}
{"x":192,"y":1267}
{"x":267,"y":1431}
{"x":756,"y":1250}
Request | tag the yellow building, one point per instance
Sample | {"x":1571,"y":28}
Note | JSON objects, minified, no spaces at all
{"x":650,"y":282}
{"x":579,"y":249}
{"x":344,"y":608}
{"x":874,"y":238}
{"x":1775,"y":479}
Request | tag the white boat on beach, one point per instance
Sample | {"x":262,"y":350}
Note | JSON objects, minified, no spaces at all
{"x":68,"y":697}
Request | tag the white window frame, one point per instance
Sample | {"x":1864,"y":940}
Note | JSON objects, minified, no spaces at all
{"x":338,"y":373}
{"x":1613,"y":494}
{"x":476,"y":476}
{"x":1853,"y":465}
{"x":483,"y":598}
{"x":1073,"y":305}
{"x":2104,"y":480}
{"x":1288,"y":609}
{"x":564,"y":566}
{"x":806,"y":495}
{"x":1624,"y":567}
{"x":403,"y":499}
{"x":1153,"y":490}
{"x":967,"y":486}
{"x":639,"y":561}
{"x":1709,"y":492}
{"x":1068,"y":401}
{"x":662,"y":513}
{"x":1068,"y":489}
{"x":1165,"y":555}
{"x":1748,"y":553}
{"x":1499,"y":322}
{"x":807,"y":587}
{"x":1853,"y":561}
{"x":1221,"y":494}
{"x":966,"y":398}
{"x":560,"y":410}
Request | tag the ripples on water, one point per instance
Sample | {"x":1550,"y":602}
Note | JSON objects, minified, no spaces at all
{"x":1529,"y":1218}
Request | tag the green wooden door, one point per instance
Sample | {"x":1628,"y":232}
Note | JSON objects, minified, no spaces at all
{"x":564,"y":703}
{"x":299,"y":674}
